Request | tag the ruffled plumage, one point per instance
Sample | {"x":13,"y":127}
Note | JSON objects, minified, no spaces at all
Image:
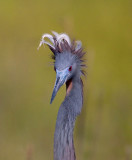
{"x":60,"y":43}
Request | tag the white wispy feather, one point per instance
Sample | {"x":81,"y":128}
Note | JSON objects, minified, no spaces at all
{"x":50,"y":37}
{"x":59,"y":38}
{"x":78,"y":45}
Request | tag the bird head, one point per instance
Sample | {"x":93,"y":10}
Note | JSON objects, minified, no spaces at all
{"x":67,"y":57}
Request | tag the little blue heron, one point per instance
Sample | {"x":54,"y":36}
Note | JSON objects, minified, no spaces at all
{"x":68,"y":64}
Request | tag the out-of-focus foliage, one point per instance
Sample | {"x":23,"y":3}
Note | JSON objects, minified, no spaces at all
{"x":27,"y":121}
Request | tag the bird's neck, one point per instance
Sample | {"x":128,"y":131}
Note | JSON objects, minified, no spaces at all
{"x":69,"y":109}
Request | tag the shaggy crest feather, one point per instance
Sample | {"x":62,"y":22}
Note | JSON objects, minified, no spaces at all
{"x":60,"y":43}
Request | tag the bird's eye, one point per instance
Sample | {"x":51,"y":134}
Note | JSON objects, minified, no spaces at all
{"x":70,"y":68}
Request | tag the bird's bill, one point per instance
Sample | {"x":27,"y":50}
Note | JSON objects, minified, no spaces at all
{"x":61,"y":77}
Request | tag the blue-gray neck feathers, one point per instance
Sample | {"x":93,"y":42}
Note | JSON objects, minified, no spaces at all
{"x":68,"y":65}
{"x":69,"y":109}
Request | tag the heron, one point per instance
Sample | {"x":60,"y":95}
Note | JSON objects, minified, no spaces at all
{"x":68,"y":65}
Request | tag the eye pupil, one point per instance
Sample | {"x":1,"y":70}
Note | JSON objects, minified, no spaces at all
{"x":70,"y":68}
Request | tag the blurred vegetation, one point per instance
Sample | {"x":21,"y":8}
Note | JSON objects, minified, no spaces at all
{"x":27,"y":121}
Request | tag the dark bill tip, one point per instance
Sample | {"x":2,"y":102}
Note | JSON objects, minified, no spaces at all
{"x":53,"y":95}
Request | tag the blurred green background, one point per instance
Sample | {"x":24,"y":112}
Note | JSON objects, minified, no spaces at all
{"x":27,"y":120}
